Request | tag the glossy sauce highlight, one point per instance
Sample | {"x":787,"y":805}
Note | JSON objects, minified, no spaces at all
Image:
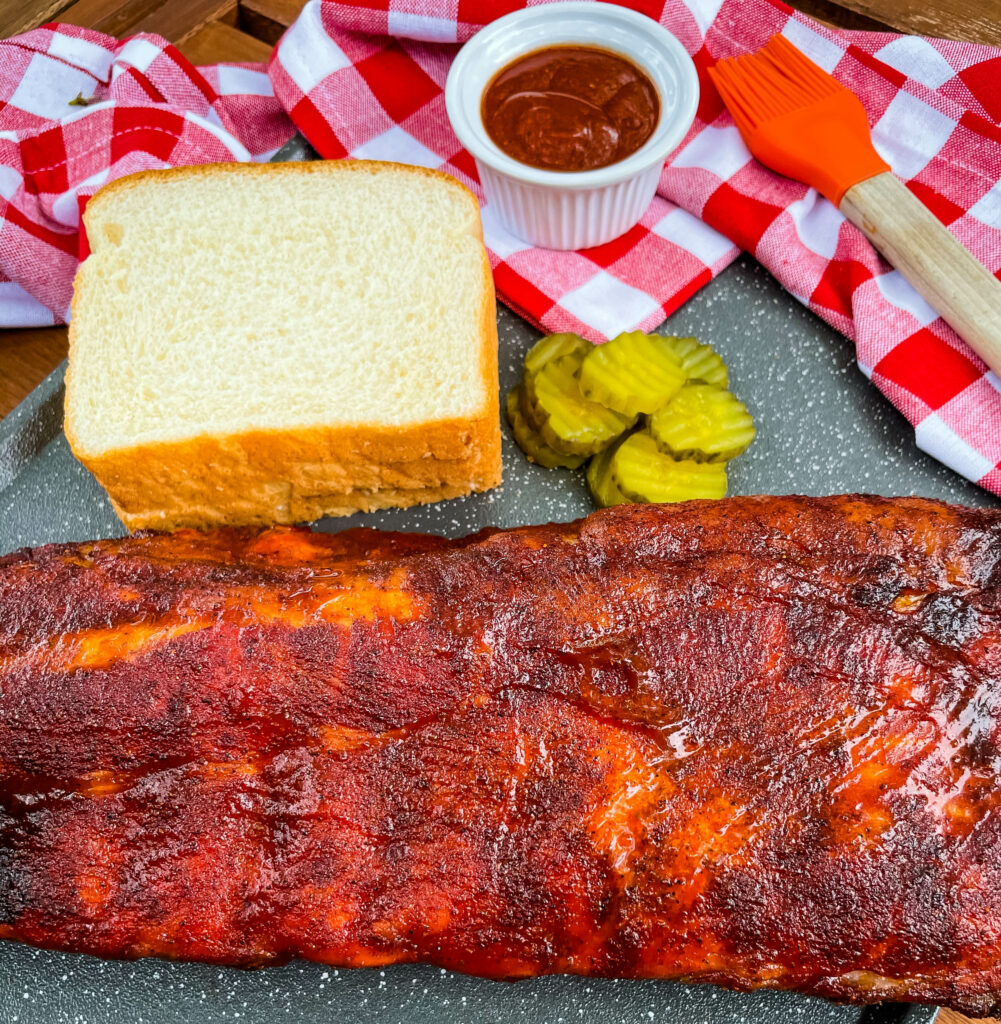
{"x":570,"y":108}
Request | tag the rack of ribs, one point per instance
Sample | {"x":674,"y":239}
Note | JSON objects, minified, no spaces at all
{"x":754,"y":742}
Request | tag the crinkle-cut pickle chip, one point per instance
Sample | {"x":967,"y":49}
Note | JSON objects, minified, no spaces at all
{"x":600,"y":482}
{"x":700,"y":362}
{"x":566,"y":420}
{"x":703,"y":422}
{"x":554,"y":346}
{"x":643,"y":473}
{"x":632,"y":373}
{"x":531,"y":443}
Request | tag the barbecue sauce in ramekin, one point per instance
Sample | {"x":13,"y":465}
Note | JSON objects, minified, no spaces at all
{"x":570,"y":108}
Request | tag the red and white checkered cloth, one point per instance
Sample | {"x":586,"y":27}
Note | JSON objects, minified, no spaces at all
{"x":365,"y":79}
{"x":78,"y":108}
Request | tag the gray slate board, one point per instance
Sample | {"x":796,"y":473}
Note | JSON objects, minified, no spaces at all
{"x":822,"y":429}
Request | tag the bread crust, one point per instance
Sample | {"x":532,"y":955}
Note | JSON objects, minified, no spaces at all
{"x":296,"y":475}
{"x":309,"y":508}
{"x":130,"y":181}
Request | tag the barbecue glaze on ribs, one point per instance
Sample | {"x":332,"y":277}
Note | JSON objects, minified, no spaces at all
{"x":755,"y":742}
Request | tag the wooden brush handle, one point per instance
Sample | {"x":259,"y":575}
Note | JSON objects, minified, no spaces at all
{"x":947,"y":275}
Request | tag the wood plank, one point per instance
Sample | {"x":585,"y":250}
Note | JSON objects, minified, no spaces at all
{"x":178,"y":20}
{"x":218,"y":42}
{"x":116,"y":17}
{"x":172,"y":19}
{"x":973,"y":20}
{"x":268,"y":19}
{"x":951,"y":1017}
{"x":16,"y":16}
{"x":26,"y":358}
{"x":837,"y":16}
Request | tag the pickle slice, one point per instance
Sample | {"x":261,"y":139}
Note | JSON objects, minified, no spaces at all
{"x":632,"y":373}
{"x":703,"y":422}
{"x":644,"y":473}
{"x":600,"y":483}
{"x":700,"y":362}
{"x":566,"y":420}
{"x":535,"y":449}
{"x":554,"y":346}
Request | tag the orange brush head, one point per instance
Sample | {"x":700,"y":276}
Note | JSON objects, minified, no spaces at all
{"x":797,"y":119}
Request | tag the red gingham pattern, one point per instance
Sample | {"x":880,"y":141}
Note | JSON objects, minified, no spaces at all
{"x":365,"y":79}
{"x":139,"y":105}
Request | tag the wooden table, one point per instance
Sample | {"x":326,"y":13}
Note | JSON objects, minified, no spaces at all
{"x":208,"y":31}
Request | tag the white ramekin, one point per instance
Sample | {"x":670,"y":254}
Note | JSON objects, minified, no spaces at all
{"x":571,"y":210}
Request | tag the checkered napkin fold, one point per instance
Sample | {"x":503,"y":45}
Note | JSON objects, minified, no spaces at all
{"x":365,"y":79}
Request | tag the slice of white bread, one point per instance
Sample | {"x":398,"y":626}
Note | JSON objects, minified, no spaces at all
{"x":261,"y":344}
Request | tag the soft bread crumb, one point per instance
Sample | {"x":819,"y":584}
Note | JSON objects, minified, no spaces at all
{"x":328,"y":319}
